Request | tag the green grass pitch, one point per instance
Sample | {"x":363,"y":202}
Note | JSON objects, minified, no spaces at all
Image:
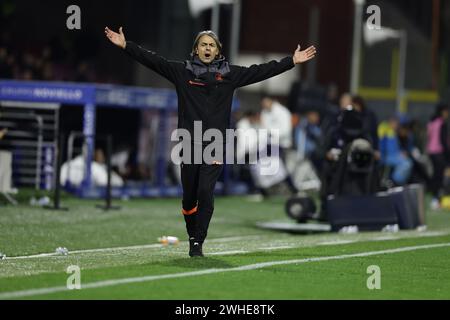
{"x":120,"y":258}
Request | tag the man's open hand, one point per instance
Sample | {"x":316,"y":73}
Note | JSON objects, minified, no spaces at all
{"x":303,"y":56}
{"x":117,"y":38}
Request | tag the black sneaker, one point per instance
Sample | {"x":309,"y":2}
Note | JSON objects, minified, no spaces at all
{"x":195,"y":248}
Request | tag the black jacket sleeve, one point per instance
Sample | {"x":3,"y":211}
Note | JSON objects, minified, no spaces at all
{"x":162,"y":66}
{"x":244,"y":76}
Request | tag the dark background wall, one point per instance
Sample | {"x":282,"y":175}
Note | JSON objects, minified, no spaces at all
{"x":167,"y":26}
{"x":277,"y":26}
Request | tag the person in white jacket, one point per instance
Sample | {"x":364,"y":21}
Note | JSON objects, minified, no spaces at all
{"x":275,"y":116}
{"x":5,"y":167}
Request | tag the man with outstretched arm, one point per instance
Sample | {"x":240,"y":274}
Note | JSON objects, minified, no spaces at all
{"x":205,"y":85}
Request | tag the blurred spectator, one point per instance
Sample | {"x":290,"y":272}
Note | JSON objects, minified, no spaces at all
{"x":330,"y":117}
{"x":247,"y":149}
{"x":99,"y":156}
{"x":345,"y":100}
{"x":82,"y":73}
{"x":392,"y":156}
{"x":72,"y":171}
{"x":247,"y":138}
{"x":47,"y":71}
{"x":6,"y":69}
{"x":120,"y":161}
{"x":335,"y":143}
{"x":438,"y":150}
{"x":408,"y":145}
{"x":275,"y":116}
{"x":48,"y":63}
{"x":404,"y":133}
{"x":370,"y":122}
{"x":307,"y":138}
{"x":304,"y":96}
{"x":5,"y":167}
{"x":333,"y":94}
{"x":348,"y":127}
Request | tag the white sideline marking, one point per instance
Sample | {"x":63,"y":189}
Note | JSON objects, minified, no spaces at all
{"x":325,"y":243}
{"x":432,"y":233}
{"x":228,"y":239}
{"x":144,"y":246}
{"x":227,"y":252}
{"x":385,"y":238}
{"x":220,"y":240}
{"x":114,"y":282}
{"x":276,"y":248}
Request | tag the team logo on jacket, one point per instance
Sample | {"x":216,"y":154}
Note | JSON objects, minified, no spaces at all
{"x":196,"y":83}
{"x":219,"y":76}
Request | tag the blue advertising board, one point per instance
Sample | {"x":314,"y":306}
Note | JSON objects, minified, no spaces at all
{"x":91,"y":96}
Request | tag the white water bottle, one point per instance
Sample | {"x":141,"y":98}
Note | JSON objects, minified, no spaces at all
{"x":165,"y":240}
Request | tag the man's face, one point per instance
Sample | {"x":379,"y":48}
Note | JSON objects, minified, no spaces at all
{"x":393,"y":122}
{"x":345,"y":101}
{"x":207,"y":49}
{"x":266,"y":103}
{"x":313,"y":117}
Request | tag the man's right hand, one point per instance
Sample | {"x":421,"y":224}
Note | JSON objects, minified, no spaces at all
{"x":117,"y":38}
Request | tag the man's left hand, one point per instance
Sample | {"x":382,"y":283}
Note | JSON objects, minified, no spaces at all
{"x":305,"y":55}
